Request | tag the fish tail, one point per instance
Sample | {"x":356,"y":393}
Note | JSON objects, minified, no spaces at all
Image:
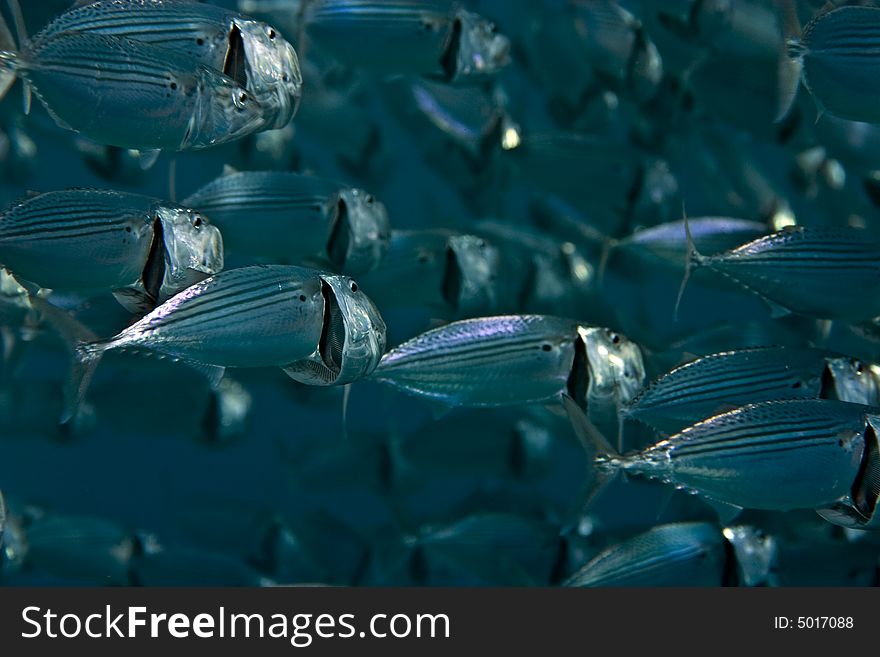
{"x":789,"y":67}
{"x":693,"y":260}
{"x":603,"y":459}
{"x":607,"y":245}
{"x":6,"y":79}
{"x":85,"y":349}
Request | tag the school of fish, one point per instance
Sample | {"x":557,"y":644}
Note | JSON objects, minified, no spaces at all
{"x":440,"y":293}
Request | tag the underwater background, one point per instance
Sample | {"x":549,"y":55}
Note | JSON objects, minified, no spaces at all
{"x":590,"y":133}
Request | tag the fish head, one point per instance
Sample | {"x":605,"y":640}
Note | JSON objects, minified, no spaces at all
{"x":13,"y":542}
{"x":224,"y":111}
{"x":469,"y":274}
{"x":359,"y":237}
{"x":854,"y":381}
{"x":756,"y":553}
{"x":478,"y":48}
{"x":858,"y":509}
{"x":271,"y":67}
{"x":615,"y":369}
{"x":193,"y":248}
{"x":352,"y":337}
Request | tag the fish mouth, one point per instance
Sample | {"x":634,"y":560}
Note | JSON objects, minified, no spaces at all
{"x":578,"y":382}
{"x":191,"y":250}
{"x":469,"y":274}
{"x":352,"y":337}
{"x":866,"y":487}
{"x":154,"y":270}
{"x":235,"y":62}
{"x":359,"y":233}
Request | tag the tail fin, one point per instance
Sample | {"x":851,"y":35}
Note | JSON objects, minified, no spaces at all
{"x":599,"y":453}
{"x":21,"y":33}
{"x":789,"y":67}
{"x":693,"y":259}
{"x":8,"y":57}
{"x":86,"y":351}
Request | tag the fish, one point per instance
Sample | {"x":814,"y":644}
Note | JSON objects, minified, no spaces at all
{"x":825,"y":273}
{"x":287,"y":217}
{"x":320,"y":328}
{"x":756,"y":553}
{"x":667,"y":243}
{"x":250,"y":52}
{"x":513,"y":360}
{"x":727,"y":380}
{"x":80,"y":548}
{"x":131,"y":94}
{"x":430,"y":38}
{"x":777,"y":455}
{"x":187,"y":566}
{"x":439,"y":269}
{"x":835,"y":60}
{"x":142,"y":249}
{"x":677,"y":554}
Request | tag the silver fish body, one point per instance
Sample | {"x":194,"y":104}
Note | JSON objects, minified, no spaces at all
{"x":416,"y":37}
{"x":288,"y":217}
{"x":516,"y":359}
{"x":319,"y":327}
{"x":822,"y":273}
{"x":250,"y":52}
{"x":837,"y":59}
{"x":679,"y":554}
{"x":727,"y":380}
{"x":142,"y":249}
{"x":780,"y":455}
{"x":131,"y":94}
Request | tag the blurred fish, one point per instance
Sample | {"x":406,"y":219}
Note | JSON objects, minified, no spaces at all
{"x":829,"y":273}
{"x":779,"y":455}
{"x":319,"y":328}
{"x":438,"y":269}
{"x":183,"y":566}
{"x":756,"y":554}
{"x":80,"y":548}
{"x":287,"y":217}
{"x":416,"y":37}
{"x":253,"y":54}
{"x":679,"y":554}
{"x":667,"y":242}
{"x":836,"y":60}
{"x":727,"y":380}
{"x":140,"y":248}
{"x":517,"y":359}
{"x":127,"y":93}
{"x":485,"y":549}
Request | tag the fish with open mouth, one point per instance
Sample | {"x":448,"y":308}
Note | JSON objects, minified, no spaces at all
{"x":127,"y":93}
{"x":289,"y":217}
{"x":253,"y":54}
{"x":320,"y":328}
{"x":140,"y":248}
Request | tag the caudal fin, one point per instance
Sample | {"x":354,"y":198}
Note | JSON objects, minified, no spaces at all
{"x":693,"y":259}
{"x":789,"y":66}
{"x":85,"y":350}
{"x":21,"y":32}
{"x":600,"y":454}
{"x":8,"y":57}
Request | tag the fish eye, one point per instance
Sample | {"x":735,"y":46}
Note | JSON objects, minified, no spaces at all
{"x":271,"y":33}
{"x":242,"y":97}
{"x":858,"y":368}
{"x":285,"y":77}
{"x":197,"y":222}
{"x":354,"y":286}
{"x":370,"y":199}
{"x":614,"y":337}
